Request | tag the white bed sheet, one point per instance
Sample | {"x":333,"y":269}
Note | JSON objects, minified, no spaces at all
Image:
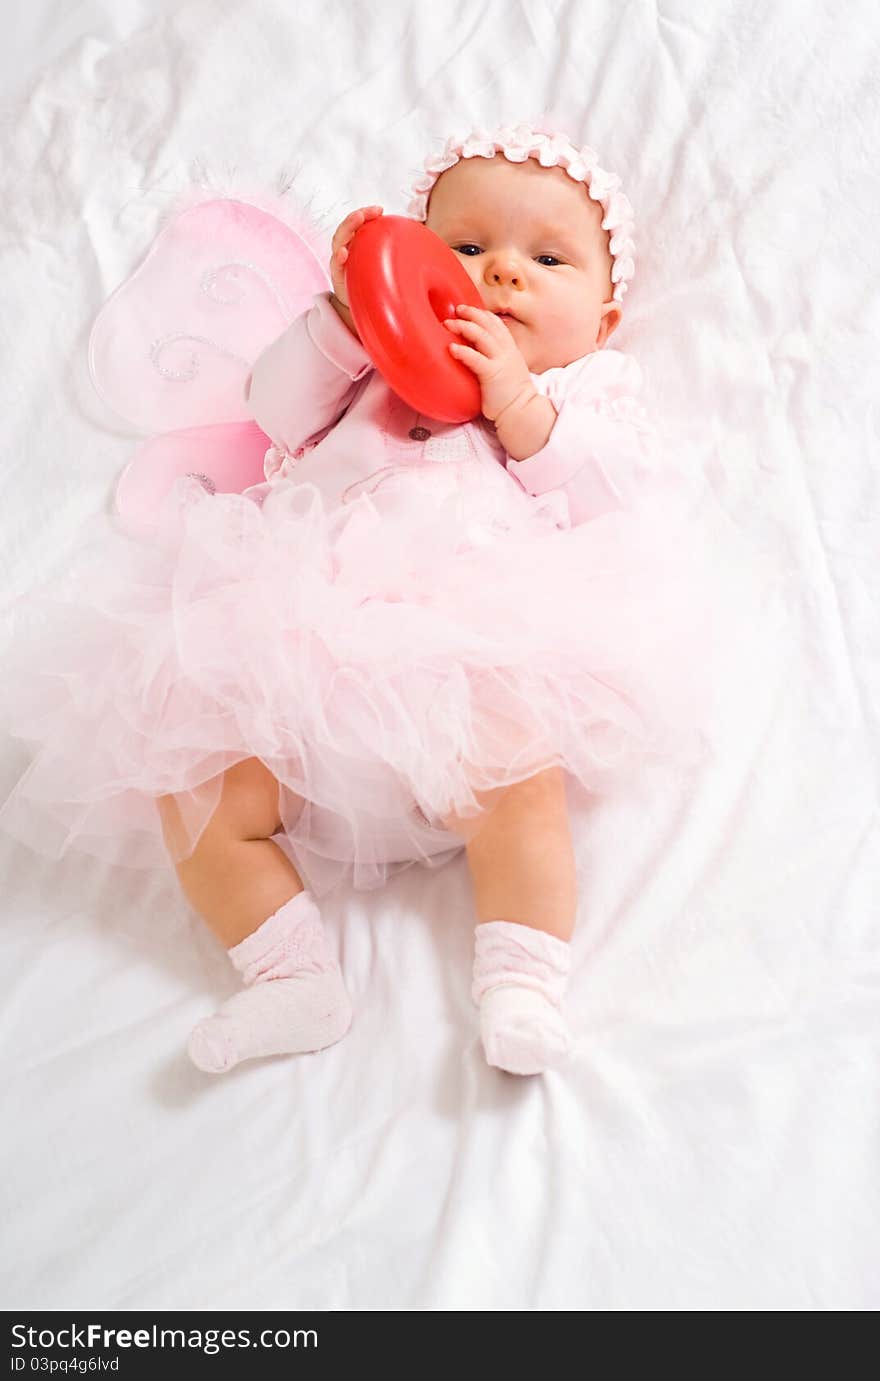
{"x":715,"y":1144}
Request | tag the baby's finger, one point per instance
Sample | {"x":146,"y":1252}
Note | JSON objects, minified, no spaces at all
{"x":474,"y":330}
{"x":472,"y":358}
{"x":481,"y":313}
{"x":480,"y":323}
{"x":345,"y":230}
{"x":349,"y":227}
{"x":367,"y":213}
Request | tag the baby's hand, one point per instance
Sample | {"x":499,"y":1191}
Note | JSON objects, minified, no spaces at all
{"x":494,"y":356}
{"x":345,"y":233}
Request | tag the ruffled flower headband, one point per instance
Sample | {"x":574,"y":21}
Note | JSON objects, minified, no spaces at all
{"x":520,"y":142}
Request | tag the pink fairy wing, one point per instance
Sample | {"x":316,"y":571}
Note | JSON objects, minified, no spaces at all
{"x":173,"y":345}
{"x":225,"y":459}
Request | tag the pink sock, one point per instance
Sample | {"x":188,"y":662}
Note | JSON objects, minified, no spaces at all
{"x":520,"y":977}
{"x":294,"y":998}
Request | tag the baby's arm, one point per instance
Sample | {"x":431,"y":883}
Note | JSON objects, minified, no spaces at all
{"x":524,"y":426}
{"x":303,"y":382}
{"x":585,"y":437}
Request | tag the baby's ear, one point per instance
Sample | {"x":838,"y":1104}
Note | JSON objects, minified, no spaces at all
{"x":612,"y":313}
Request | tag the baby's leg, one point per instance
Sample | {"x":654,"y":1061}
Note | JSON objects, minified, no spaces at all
{"x":253,"y":899}
{"x":522,"y":866}
{"x":521,"y":857}
{"x":236,"y":875}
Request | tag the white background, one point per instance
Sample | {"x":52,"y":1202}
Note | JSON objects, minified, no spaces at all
{"x":715,"y":1144}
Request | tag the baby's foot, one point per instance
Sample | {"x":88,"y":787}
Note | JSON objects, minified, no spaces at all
{"x":520,"y":977}
{"x":522,"y":1031}
{"x":278,"y":1016}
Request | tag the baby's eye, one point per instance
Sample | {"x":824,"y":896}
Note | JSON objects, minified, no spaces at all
{"x":461,"y":249}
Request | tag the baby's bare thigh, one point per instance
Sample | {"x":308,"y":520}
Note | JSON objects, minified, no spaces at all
{"x":248,"y":807}
{"x":536,"y":802}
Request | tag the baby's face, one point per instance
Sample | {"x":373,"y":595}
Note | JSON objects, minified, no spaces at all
{"x":531,"y":239}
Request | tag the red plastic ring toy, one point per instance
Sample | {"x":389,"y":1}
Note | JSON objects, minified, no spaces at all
{"x":403,"y":281}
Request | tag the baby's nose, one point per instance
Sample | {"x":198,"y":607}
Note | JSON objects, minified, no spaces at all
{"x":500,"y":274}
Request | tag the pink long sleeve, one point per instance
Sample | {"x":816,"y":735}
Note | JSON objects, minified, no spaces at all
{"x":303,"y":382}
{"x":597,"y":452}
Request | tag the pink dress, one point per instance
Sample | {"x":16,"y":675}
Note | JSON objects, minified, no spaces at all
{"x":400,"y":616}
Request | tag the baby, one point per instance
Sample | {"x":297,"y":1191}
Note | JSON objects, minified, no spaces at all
{"x":410,"y":640}
{"x":532,"y":241}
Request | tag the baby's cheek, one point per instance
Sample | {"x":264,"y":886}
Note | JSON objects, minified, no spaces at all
{"x":468,"y":263}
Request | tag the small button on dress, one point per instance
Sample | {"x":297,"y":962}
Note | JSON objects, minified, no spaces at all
{"x":419,"y":433}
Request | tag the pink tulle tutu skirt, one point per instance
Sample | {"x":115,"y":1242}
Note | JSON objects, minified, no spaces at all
{"x":392,"y":660}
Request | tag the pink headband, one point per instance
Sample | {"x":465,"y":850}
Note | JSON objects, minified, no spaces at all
{"x":520,"y":142}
